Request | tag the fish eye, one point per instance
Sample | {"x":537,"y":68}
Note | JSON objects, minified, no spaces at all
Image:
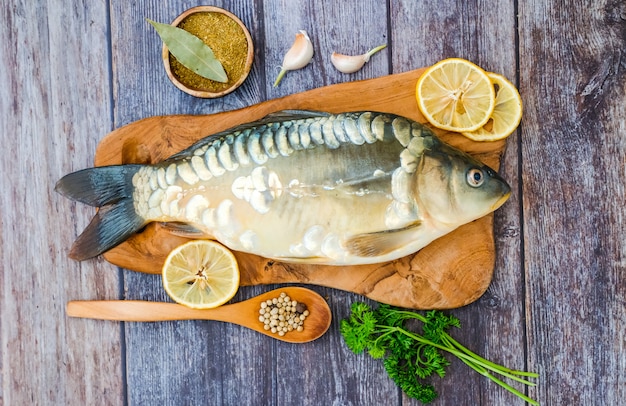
{"x":475,"y":177}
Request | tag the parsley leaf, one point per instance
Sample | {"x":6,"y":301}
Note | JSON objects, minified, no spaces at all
{"x":359,"y":329}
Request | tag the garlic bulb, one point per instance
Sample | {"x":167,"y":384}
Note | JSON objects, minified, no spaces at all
{"x":352,"y":63}
{"x":298,"y":56}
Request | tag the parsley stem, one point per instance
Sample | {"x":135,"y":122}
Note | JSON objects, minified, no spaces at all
{"x":512,"y":389}
{"x":451,"y":342}
{"x":500,"y":368}
{"x":472,"y":360}
{"x":503,"y":384}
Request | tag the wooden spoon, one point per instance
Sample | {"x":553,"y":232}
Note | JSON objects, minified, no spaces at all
{"x":244,"y":313}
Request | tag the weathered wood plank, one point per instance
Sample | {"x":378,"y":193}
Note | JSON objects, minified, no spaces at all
{"x":573,"y":73}
{"x":563,"y":256}
{"x":54,"y":103}
{"x":423,"y":33}
{"x":325,"y":371}
{"x":188,"y":362}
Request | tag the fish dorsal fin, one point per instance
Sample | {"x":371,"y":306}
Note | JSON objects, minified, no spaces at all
{"x":277,"y":116}
{"x":184,"y":230}
{"x":381,"y":242}
{"x":282,"y":115}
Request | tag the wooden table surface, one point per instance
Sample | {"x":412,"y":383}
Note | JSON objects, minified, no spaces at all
{"x":74,"y":72}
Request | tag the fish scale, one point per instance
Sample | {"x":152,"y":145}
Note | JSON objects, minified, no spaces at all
{"x":348,"y":188}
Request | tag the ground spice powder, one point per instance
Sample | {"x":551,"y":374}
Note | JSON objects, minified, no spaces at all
{"x":228,"y":42}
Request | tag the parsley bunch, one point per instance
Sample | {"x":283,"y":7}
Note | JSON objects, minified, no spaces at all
{"x":409,"y":357}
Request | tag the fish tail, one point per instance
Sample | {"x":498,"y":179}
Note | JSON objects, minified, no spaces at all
{"x":111,"y":189}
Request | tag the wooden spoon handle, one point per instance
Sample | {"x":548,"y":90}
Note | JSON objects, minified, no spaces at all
{"x":244,"y":313}
{"x":137,"y":310}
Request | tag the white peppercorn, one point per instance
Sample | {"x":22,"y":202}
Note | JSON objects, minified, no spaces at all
{"x":282,"y":314}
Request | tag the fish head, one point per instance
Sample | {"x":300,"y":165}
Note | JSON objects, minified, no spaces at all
{"x":454,"y":188}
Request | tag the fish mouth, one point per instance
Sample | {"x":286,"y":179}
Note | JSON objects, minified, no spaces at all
{"x":500,"y":201}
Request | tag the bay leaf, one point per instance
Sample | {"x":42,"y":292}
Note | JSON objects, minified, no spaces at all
{"x":191,"y":51}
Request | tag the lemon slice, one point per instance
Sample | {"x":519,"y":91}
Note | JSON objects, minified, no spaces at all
{"x":201,"y":274}
{"x":455,"y":95}
{"x":506,"y":115}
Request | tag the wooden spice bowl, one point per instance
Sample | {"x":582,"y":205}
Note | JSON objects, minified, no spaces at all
{"x":197,"y":86}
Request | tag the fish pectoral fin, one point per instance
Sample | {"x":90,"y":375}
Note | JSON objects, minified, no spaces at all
{"x":184,"y":230}
{"x":381,"y":242}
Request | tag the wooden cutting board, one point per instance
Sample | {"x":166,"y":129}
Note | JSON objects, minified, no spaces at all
{"x":450,"y":272}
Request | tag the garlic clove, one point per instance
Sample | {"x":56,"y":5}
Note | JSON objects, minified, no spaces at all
{"x":300,"y":53}
{"x":347,"y":63}
{"x":298,"y":56}
{"x":352,"y":63}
